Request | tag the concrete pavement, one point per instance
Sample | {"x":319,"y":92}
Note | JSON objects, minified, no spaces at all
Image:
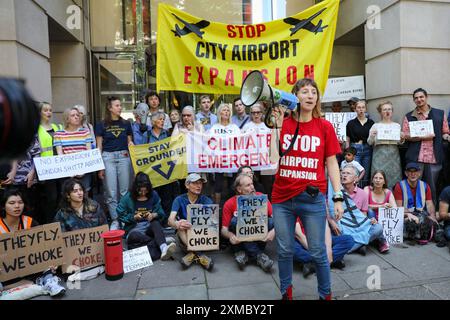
{"x":407,"y":272}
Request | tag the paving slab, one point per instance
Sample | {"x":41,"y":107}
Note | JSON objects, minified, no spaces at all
{"x":170,"y":273}
{"x":441,"y":289}
{"x":409,"y":293}
{"x":192,"y":292}
{"x":388,"y":277}
{"x":419,"y":262}
{"x":259,"y":291}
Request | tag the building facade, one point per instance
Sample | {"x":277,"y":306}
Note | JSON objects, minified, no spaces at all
{"x":80,"y":51}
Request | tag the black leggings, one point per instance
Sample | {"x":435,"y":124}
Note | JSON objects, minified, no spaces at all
{"x":153,"y":238}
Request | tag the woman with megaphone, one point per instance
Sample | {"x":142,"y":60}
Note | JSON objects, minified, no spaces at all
{"x":308,"y":145}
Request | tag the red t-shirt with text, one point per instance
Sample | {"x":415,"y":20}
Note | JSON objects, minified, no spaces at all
{"x":305,"y":164}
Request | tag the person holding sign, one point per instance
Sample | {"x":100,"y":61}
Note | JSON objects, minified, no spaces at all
{"x":141,"y":213}
{"x":415,"y":196}
{"x":379,"y":195}
{"x":385,"y":136}
{"x":74,"y":138}
{"x":12,"y":219}
{"x":223,"y":128}
{"x":205,"y":117}
{"x":187,"y":123}
{"x":426,"y":150}
{"x":253,"y":250}
{"x":309,"y":143}
{"x":114,"y":135}
{"x":178,"y":220}
{"x":357,"y":135}
{"x":76,"y":210}
{"x":241,"y":118}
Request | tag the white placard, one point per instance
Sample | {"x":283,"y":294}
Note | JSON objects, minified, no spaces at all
{"x":343,"y":89}
{"x":136,"y":259}
{"x":339,"y":121}
{"x":421,"y":128}
{"x":391,"y":219}
{"x":69,"y":165}
{"x":388,"y":132}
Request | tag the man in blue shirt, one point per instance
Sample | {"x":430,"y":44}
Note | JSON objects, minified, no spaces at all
{"x":205,"y":117}
{"x":178,"y":219}
{"x":241,"y":118}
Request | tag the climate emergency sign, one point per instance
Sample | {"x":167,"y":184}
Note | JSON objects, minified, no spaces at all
{"x":83,"y":248}
{"x":204,"y":234}
{"x":30,"y":251}
{"x":227,"y":153}
{"x":252,"y":218}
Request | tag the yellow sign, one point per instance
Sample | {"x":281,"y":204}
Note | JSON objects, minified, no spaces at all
{"x":197,"y":55}
{"x":164,"y":161}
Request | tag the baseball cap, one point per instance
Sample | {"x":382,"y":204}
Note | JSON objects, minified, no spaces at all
{"x":412,"y":166}
{"x":353,"y":99}
{"x":193,"y":177}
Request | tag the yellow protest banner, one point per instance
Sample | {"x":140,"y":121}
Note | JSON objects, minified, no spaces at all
{"x":197,"y":55}
{"x":163,"y":161}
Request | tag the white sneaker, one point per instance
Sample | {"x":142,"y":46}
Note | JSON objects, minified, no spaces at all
{"x":114,"y":225}
{"x":170,"y":249}
{"x":50,"y":283}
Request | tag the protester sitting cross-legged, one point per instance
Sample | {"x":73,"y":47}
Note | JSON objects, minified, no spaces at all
{"x":76,"y":210}
{"x":243,"y":251}
{"x":379,"y":194}
{"x":415,"y":196}
{"x":178,"y":220}
{"x":141,"y":213}
{"x":12,"y":219}
{"x":337,"y":247}
{"x":355,"y":221}
{"x":444,"y":215}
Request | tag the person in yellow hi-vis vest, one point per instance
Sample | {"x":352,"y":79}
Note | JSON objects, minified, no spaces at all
{"x":48,"y":191}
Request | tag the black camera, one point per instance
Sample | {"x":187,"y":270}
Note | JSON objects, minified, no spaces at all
{"x":312,"y":191}
{"x":19,"y":119}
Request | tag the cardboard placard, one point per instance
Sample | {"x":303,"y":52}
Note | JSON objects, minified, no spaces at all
{"x":83,"y":248}
{"x":30,"y":251}
{"x":136,"y":259}
{"x":252,"y":219}
{"x":204,"y":234}
{"x":68,"y":165}
{"x":388,"y":132}
{"x":421,"y":128}
{"x":392,"y":221}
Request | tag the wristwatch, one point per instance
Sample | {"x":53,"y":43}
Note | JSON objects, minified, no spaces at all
{"x":338,"y":197}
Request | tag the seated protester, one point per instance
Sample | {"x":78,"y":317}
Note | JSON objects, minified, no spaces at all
{"x":355,"y":221}
{"x":349,"y":159}
{"x":247,"y":170}
{"x":76,"y":210}
{"x":12,"y":218}
{"x":444,"y":215}
{"x":415,"y":196}
{"x":140,"y":212}
{"x":379,"y":194}
{"x":337,"y":248}
{"x":243,"y":251}
{"x":177,"y":220}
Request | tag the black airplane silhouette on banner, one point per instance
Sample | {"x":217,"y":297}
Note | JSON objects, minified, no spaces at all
{"x":306,"y":24}
{"x":190,"y":28}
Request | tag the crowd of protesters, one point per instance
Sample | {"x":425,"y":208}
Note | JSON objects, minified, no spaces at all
{"x":373,"y":174}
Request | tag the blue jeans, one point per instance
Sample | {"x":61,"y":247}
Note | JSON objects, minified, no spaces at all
{"x":447,"y":231}
{"x":341,"y":245}
{"x":364,"y":157}
{"x":312,"y":212}
{"x":254,"y":248}
{"x":117,"y":178}
{"x":376,"y":232}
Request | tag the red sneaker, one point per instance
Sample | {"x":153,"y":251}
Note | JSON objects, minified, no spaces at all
{"x":288,"y":294}
{"x":383,"y":247}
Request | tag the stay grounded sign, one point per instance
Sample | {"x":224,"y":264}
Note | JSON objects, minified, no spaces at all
{"x":198,"y":55}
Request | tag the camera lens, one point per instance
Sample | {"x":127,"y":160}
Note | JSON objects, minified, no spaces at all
{"x":19,"y":119}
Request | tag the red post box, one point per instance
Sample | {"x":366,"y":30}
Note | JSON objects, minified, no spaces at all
{"x":113,"y":254}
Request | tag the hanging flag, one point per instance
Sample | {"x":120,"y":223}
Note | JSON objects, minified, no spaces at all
{"x":200,"y":56}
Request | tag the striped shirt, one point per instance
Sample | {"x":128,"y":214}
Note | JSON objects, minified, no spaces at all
{"x":72,"y":142}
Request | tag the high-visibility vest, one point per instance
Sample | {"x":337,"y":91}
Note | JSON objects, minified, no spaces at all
{"x":46,"y":140}
{"x":25,"y":224}
{"x":421,"y":191}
